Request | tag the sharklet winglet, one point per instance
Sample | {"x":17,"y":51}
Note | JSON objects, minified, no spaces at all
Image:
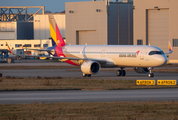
{"x":170,"y":48}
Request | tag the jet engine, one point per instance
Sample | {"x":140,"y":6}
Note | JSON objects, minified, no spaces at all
{"x":90,"y":67}
{"x":141,"y":70}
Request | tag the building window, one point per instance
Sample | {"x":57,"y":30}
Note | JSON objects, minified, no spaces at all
{"x":18,"y":45}
{"x":98,"y":10}
{"x":27,"y":45}
{"x":37,"y":45}
{"x":139,"y":42}
{"x":1,"y":44}
{"x":45,"y":45}
{"x":70,"y":11}
{"x":175,"y":42}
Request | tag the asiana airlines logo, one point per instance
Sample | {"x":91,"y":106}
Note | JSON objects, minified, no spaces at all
{"x":129,"y":54}
{"x":138,"y":52}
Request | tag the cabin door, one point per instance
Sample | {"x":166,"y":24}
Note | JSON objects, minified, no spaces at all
{"x":142,"y":52}
{"x":103,"y":51}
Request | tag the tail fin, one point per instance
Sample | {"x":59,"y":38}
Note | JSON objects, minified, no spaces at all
{"x":55,"y":33}
{"x":9,"y":49}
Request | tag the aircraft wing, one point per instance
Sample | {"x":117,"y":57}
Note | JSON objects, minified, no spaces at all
{"x":40,"y":50}
{"x":63,"y":59}
{"x":101,"y":61}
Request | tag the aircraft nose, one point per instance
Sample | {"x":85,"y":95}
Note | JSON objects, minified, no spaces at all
{"x":162,"y":60}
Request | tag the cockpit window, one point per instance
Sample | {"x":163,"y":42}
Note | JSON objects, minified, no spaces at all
{"x":156,"y":52}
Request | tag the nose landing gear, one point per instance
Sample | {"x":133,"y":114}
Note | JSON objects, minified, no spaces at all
{"x":150,"y":72}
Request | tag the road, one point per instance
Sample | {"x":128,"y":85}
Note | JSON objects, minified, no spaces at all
{"x":20,"y":97}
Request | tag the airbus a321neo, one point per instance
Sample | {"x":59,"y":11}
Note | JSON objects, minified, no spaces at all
{"x":92,"y":58}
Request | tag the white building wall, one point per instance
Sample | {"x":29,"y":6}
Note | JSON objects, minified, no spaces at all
{"x":8,"y":30}
{"x":41,"y":25}
{"x":158,"y":28}
{"x":82,"y":18}
{"x":140,"y":21}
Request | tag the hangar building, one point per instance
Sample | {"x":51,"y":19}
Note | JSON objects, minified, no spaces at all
{"x":99,"y":22}
{"x":16,"y":22}
{"x":22,"y":29}
{"x":16,"y":30}
{"x":156,"y":23}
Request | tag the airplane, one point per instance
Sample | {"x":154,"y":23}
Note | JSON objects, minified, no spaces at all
{"x":91,"y":58}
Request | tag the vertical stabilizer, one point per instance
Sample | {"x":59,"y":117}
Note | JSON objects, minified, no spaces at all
{"x":55,"y":33}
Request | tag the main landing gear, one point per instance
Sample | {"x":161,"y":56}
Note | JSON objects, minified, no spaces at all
{"x":86,"y":75}
{"x":121,"y":72}
{"x":150,"y":72}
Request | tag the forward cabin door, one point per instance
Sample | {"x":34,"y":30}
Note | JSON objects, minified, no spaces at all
{"x":142,"y":52}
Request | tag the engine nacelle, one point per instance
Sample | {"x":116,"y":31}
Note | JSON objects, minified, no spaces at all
{"x":90,"y":67}
{"x":141,"y":70}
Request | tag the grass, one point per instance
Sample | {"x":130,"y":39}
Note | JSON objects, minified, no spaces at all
{"x":91,"y":111}
{"x":39,"y":83}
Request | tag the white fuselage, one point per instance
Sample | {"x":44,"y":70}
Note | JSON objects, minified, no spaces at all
{"x":118,"y":55}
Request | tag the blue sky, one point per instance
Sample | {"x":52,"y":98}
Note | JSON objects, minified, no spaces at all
{"x":51,"y":5}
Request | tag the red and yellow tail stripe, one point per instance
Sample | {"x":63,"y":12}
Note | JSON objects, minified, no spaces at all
{"x":9,"y":49}
{"x":55,"y":33}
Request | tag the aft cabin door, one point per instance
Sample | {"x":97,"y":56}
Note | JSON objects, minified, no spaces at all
{"x":142,"y":52}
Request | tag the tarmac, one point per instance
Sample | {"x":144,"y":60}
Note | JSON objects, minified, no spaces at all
{"x":76,"y":72}
{"x":26,"y":97}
